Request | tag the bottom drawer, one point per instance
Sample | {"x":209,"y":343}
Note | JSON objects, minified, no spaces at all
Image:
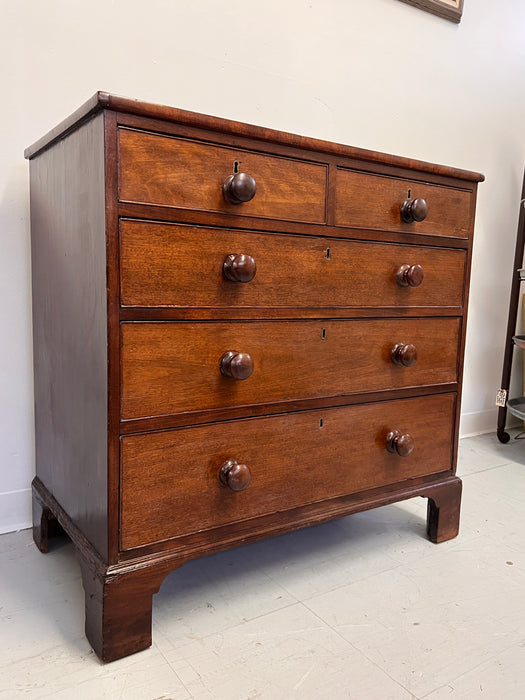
{"x":170,"y":483}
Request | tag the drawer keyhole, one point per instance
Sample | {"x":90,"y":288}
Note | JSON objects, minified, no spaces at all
{"x":328,"y":254}
{"x":236,"y":164}
{"x":323,"y":334}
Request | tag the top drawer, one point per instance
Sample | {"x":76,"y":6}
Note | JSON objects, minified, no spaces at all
{"x":175,"y":172}
{"x":368,"y":201}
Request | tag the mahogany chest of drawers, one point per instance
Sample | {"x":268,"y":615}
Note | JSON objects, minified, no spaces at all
{"x":237,"y":332}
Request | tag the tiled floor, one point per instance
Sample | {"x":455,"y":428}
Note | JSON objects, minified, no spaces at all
{"x":364,"y":607}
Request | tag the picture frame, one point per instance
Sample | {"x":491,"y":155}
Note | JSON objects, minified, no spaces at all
{"x":448,"y":9}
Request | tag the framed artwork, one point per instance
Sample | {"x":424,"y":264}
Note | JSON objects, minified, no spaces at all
{"x":449,"y":9}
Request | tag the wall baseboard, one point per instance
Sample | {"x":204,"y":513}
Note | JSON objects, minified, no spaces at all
{"x":480,"y":422}
{"x":15,"y":511}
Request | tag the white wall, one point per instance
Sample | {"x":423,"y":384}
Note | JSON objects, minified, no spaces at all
{"x":376,"y":74}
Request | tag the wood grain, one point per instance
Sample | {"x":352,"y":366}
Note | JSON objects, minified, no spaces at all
{"x":178,"y":266}
{"x":374,"y":202}
{"x":293,"y":460}
{"x":156,"y":169}
{"x":175,"y":367}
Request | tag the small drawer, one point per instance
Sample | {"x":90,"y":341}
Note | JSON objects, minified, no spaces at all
{"x":173,"y":367}
{"x":374,"y":202}
{"x":175,"y":172}
{"x":174,"y":265}
{"x":178,"y":482}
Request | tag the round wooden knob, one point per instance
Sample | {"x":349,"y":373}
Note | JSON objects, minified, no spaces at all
{"x":238,"y":188}
{"x":236,"y":365}
{"x":234,"y":475}
{"x":399,"y":443}
{"x":409,"y":275}
{"x":405,"y":355}
{"x":414,"y":210}
{"x":239,"y":268}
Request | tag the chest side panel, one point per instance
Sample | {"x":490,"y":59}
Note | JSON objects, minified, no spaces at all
{"x":70,"y":326}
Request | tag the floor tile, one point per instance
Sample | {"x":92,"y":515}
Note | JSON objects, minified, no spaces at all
{"x":51,"y":573}
{"x":288,"y":654}
{"x":425,"y":623}
{"x":72,"y":671}
{"x":361,"y":607}
{"x":321,"y":558}
{"x":211,"y":594}
{"x":476,"y":454}
{"x":501,"y":677}
{"x":493,"y":505}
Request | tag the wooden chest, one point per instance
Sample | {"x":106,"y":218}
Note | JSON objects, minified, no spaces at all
{"x":237,"y":332}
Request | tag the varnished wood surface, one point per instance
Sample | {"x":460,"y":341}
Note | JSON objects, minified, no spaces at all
{"x":113,"y":329}
{"x":324,"y":248}
{"x":119,"y":596}
{"x":69,"y":326}
{"x":104,"y":100}
{"x":293,"y":459}
{"x":175,"y":367}
{"x":138,"y":425}
{"x":187,"y":174}
{"x":374,"y":202}
{"x":159,"y":214}
{"x":178,"y":266}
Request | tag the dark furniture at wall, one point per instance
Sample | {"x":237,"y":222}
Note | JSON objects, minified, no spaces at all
{"x":516,"y":405}
{"x":238,"y":332}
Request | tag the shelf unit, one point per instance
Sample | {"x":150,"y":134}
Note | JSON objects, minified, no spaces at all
{"x":515,"y":406}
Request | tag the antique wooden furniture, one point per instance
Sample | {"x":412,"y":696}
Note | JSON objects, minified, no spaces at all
{"x":237,"y":332}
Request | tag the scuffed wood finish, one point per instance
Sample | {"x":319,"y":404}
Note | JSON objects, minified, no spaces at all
{"x":175,"y":266}
{"x":236,"y":335}
{"x":185,"y":174}
{"x":45,"y":524}
{"x":68,"y":242}
{"x":175,"y":367}
{"x":374,"y":202}
{"x":443,"y":511}
{"x":172,"y":115}
{"x":119,"y":607}
{"x":332,"y":453}
{"x":119,"y":597}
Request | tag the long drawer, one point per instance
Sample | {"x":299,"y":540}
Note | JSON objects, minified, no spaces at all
{"x":175,"y":265}
{"x":174,"y":367}
{"x":182,"y":173}
{"x":170,"y":482}
{"x":374,"y":202}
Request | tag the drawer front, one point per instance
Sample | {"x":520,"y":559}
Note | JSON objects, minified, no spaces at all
{"x":173,"y":367}
{"x":176,"y":265}
{"x":374,"y":202}
{"x":175,"y":172}
{"x":170,"y":485}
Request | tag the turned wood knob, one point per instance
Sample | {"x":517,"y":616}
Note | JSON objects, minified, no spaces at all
{"x":399,"y":443}
{"x":238,"y":188}
{"x":237,"y":365}
{"x":409,"y":275}
{"x":414,"y":210}
{"x":405,"y":355}
{"x":239,"y":268}
{"x":234,"y":475}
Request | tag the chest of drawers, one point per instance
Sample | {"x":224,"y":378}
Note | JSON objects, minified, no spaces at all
{"x":237,"y":332}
